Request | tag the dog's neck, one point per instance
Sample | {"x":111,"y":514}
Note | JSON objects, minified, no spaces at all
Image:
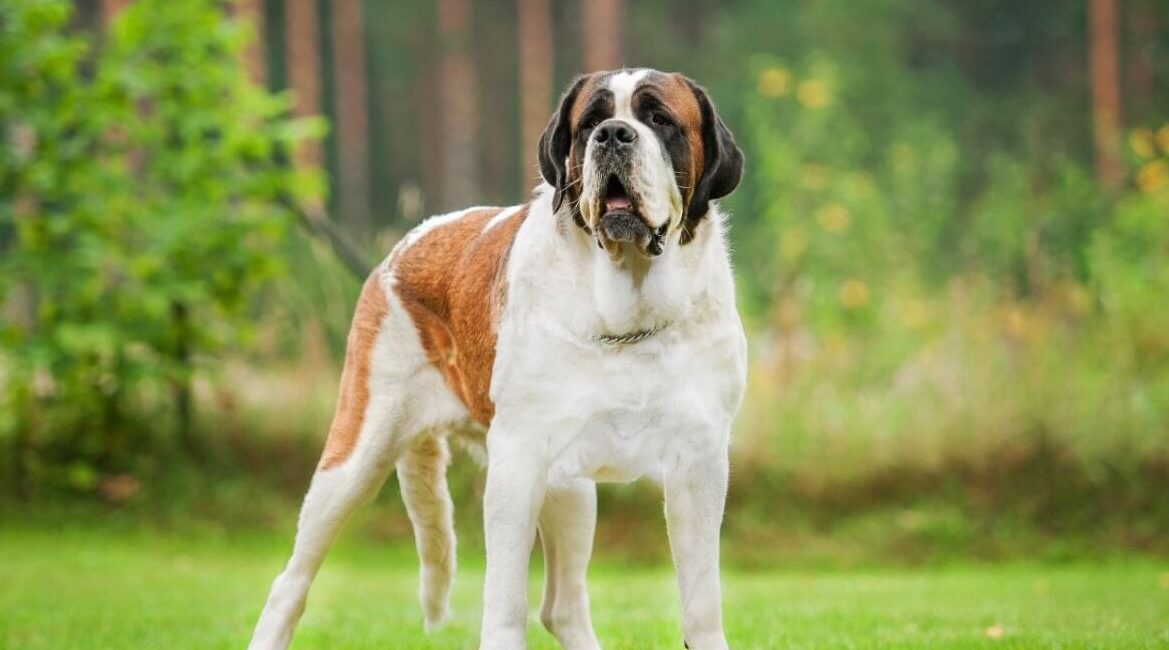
{"x":632,"y":293}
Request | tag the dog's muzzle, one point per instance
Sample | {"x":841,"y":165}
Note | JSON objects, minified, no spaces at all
{"x":620,"y":223}
{"x":625,"y":227}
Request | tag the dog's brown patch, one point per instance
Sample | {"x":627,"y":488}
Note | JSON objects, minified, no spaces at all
{"x":680,"y":98}
{"x":592,"y":83}
{"x":452,"y":283}
{"x":354,"y":394}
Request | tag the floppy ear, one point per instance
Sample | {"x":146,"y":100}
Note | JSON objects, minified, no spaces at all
{"x":555,"y":143}
{"x":722,"y":165}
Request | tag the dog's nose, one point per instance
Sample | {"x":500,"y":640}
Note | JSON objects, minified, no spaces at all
{"x":615,"y":133}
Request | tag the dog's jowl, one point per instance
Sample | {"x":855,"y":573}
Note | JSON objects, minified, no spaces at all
{"x":587,"y":335}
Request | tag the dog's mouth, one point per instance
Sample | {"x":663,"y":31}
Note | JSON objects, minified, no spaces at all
{"x":620,"y":222}
{"x":616,"y":199}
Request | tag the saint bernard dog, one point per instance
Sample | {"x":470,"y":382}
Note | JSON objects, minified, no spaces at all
{"x":587,"y":335}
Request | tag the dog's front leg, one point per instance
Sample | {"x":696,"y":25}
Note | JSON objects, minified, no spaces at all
{"x":695,"y":496}
{"x":516,"y":479}
{"x":568,"y":523}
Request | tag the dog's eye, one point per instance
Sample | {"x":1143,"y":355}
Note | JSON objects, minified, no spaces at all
{"x":660,"y":119}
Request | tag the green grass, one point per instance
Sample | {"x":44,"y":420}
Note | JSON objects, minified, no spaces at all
{"x":80,"y":588}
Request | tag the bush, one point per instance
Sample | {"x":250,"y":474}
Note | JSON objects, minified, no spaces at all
{"x":935,"y":322}
{"x":140,"y":217}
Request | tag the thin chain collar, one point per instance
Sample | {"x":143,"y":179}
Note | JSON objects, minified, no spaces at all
{"x":636,"y":336}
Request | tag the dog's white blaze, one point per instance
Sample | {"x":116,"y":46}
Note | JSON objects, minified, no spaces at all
{"x":623,"y":84}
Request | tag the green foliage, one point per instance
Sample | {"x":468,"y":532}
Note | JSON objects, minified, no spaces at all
{"x":1130,"y":265}
{"x":139,"y":217}
{"x":843,"y":206}
{"x":937,"y":283}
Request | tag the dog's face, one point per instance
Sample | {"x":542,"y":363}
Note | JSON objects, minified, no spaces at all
{"x":637,"y":155}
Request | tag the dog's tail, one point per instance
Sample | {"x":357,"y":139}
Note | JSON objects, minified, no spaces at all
{"x":422,"y":476}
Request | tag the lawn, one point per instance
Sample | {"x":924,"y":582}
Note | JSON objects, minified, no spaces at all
{"x":80,"y":588}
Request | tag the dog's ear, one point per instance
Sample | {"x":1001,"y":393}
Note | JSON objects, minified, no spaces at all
{"x":556,"y":141}
{"x":722,"y":165}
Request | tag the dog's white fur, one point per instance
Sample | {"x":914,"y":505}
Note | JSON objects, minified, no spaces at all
{"x":569,"y":411}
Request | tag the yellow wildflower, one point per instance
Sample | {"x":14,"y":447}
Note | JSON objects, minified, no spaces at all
{"x":774,"y":82}
{"x":1163,"y":138}
{"x":1142,"y":144}
{"x":1015,"y":322}
{"x":813,"y":93}
{"x":834,"y":218}
{"x":853,"y":294}
{"x":792,"y":244}
{"x":864,"y":184}
{"x":915,"y":315}
{"x":1078,"y":297}
{"x":1153,"y":176}
{"x":903,"y":158}
{"x":814,"y":176}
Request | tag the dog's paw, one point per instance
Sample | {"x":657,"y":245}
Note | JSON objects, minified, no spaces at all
{"x":436,"y":619}
{"x":711,"y":644}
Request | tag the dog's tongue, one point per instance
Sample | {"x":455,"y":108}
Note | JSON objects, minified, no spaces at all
{"x":617,"y":204}
{"x":616,"y":197}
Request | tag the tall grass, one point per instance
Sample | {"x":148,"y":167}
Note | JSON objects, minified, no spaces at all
{"x":959,"y":422}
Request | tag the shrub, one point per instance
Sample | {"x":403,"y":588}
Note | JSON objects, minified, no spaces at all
{"x":139,"y":219}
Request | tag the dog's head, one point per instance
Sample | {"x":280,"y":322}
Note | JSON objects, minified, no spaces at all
{"x":637,"y":155}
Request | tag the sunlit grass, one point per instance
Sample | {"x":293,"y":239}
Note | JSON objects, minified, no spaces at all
{"x":81,"y":589}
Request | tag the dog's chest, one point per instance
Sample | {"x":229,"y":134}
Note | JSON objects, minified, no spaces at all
{"x":614,"y":413}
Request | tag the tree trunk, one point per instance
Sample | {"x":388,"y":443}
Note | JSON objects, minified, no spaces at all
{"x":253,"y":54}
{"x":427,"y":94}
{"x":111,"y":7}
{"x":458,"y":98}
{"x":1142,"y":66}
{"x":181,"y":391}
{"x":304,"y":70}
{"x":352,"y":116}
{"x":535,"y":57}
{"x":496,"y":66}
{"x":603,"y":34}
{"x":327,"y":90}
{"x":274,"y":18}
{"x":1106,"y":115}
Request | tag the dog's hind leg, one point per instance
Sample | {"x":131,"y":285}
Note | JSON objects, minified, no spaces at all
{"x":334,"y":494}
{"x":364,"y":441}
{"x":567,"y":524}
{"x":422,"y":475}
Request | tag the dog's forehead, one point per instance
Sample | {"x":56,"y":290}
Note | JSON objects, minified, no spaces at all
{"x":621,"y":86}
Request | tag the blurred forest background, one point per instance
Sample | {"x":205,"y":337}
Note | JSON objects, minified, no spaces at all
{"x":951,"y":242}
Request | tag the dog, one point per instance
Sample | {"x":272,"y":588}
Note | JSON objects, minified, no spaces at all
{"x":590,"y":334}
